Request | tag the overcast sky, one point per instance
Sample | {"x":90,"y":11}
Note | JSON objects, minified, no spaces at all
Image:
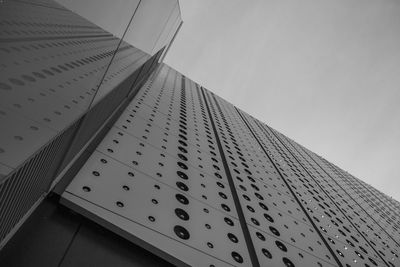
{"x":324,"y":73}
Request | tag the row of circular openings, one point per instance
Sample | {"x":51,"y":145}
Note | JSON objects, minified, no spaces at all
{"x":273,"y":230}
{"x":317,"y":199}
{"x":44,"y":32}
{"x":4,"y":86}
{"x":359,"y":217}
{"x":357,"y":253}
{"x":183,"y":128}
{"x":252,"y":160}
{"x":71,"y":43}
{"x":255,"y":222}
{"x":268,"y":217}
{"x":182,"y":133}
{"x":222,"y":195}
{"x":279,"y":244}
{"x":257,"y":195}
{"x":236,"y":146}
{"x":12,"y":23}
{"x":182,"y":147}
{"x":56,"y":112}
{"x":155,"y":108}
{"x":181,"y":118}
{"x":43,"y":24}
{"x":360,"y":256}
{"x":179,"y":230}
{"x":39,"y":75}
{"x":248,"y":176}
{"x":343,"y":233}
{"x":18,"y":137}
{"x":72,"y":65}
{"x":180,"y":174}
{"x":260,"y":197}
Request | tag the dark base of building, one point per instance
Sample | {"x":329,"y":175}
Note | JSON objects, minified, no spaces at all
{"x":56,"y":236}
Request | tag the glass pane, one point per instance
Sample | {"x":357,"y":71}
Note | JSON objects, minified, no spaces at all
{"x":149,"y":28}
{"x":52,"y":61}
{"x":149,"y":23}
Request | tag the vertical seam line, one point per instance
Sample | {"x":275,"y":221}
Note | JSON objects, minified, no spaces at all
{"x":327,"y":195}
{"x":291,"y":191}
{"x":242,"y":220}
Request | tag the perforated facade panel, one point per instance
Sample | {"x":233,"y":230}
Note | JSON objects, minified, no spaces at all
{"x":62,"y":78}
{"x":199,"y":182}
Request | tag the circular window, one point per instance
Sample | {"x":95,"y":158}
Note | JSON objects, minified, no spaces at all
{"x":182,"y":214}
{"x":182,"y":199}
{"x":181,"y":232}
{"x":267,"y":253}
{"x":236,"y":256}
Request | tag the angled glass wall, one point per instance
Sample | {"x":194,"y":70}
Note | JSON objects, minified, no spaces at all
{"x":65,"y":67}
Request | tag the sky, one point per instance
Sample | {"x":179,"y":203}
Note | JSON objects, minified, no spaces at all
{"x":324,"y":73}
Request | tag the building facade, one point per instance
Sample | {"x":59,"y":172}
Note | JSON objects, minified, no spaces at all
{"x":114,"y":158}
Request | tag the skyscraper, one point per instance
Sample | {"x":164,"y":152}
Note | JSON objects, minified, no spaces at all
{"x":167,"y":165}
